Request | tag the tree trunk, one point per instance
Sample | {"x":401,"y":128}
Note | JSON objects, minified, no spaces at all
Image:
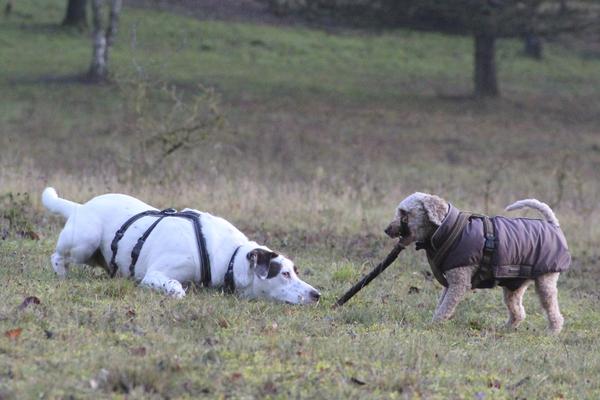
{"x":113,"y":22}
{"x":76,"y":14}
{"x":8,"y":8}
{"x":98,"y":70}
{"x":102,"y":40}
{"x":532,"y":46}
{"x":486,"y":82}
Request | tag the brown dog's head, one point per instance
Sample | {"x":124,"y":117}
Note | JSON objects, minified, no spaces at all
{"x":417,"y":217}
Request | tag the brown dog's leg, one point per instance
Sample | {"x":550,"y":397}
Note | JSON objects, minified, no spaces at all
{"x":514,"y":302}
{"x":545,"y":285}
{"x":459,"y":283}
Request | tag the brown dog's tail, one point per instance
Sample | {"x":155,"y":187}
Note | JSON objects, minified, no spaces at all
{"x":536,"y":205}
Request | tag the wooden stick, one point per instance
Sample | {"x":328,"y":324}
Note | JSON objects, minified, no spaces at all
{"x":372,"y":275}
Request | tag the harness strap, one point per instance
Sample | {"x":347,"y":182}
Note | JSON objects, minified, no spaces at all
{"x":114,"y":246}
{"x":485,"y":272}
{"x":135,"y":253}
{"x":205,"y":273}
{"x":229,"y":283}
{"x":461,"y":222}
{"x":489,"y":245}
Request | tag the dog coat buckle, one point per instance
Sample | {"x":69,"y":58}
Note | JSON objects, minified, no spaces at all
{"x":490,"y":242}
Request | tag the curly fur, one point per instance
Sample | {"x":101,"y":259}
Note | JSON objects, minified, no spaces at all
{"x":423,"y":213}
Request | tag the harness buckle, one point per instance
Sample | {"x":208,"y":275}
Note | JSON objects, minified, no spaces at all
{"x":169,"y":211}
{"x":490,"y":243}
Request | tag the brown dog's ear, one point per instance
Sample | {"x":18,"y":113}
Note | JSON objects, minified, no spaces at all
{"x":436,"y":208}
{"x":260,"y":261}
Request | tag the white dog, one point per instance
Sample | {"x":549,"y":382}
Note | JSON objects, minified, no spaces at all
{"x":170,"y":255}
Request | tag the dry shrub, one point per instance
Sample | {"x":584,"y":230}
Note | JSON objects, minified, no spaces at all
{"x":16,"y":216}
{"x":162,"y":125}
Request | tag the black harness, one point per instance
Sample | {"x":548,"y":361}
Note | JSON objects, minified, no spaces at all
{"x":194,"y":217}
{"x":229,"y":284}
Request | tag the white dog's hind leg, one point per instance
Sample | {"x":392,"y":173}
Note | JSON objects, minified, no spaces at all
{"x":77,"y":242}
{"x":159,"y":281}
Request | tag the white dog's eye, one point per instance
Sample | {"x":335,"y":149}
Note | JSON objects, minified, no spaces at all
{"x":404,"y":219}
{"x":286,"y":275}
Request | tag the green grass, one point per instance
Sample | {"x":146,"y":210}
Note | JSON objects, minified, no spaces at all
{"x":325,"y":133}
{"x":109,"y":338}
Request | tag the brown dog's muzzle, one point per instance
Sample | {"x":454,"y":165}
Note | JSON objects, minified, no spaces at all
{"x":393,"y":230}
{"x":396,"y":229}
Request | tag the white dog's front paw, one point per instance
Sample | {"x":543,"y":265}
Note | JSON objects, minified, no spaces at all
{"x":58,"y":264}
{"x":174,"y":289}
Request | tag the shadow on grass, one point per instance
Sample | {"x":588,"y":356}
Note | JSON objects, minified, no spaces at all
{"x":68,"y":79}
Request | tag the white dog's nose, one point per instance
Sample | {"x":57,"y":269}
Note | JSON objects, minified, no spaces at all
{"x":314,"y":295}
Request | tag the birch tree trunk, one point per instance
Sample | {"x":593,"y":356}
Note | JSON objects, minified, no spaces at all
{"x":103,"y":39}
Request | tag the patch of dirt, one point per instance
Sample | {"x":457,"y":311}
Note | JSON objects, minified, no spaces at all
{"x":359,"y":247}
{"x":221,"y":10}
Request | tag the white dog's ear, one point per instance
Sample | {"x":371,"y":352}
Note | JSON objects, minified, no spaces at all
{"x":436,"y":208}
{"x":260,"y":261}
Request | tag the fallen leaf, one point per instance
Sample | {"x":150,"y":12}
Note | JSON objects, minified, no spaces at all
{"x":29,"y":235}
{"x":48,"y":333}
{"x":13,"y":333}
{"x":223,"y":323}
{"x":29,"y":300}
{"x":357,"y":381}
{"x":236,"y":376}
{"x":138,"y":351}
{"x":130,"y":313}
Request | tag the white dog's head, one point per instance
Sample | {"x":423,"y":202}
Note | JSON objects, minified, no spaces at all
{"x":273,"y":276}
{"x":417,"y":217}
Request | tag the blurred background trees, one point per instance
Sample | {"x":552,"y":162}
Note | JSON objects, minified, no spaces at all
{"x":485,"y":20}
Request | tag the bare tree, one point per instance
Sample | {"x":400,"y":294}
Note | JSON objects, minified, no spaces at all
{"x":532,"y":46}
{"x":103,"y":39}
{"x":76,"y":14}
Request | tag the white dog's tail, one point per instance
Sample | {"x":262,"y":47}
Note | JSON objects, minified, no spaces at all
{"x":536,"y":205}
{"x":52,"y":202}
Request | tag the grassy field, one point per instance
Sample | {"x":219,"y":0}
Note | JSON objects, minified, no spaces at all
{"x":321,"y":135}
